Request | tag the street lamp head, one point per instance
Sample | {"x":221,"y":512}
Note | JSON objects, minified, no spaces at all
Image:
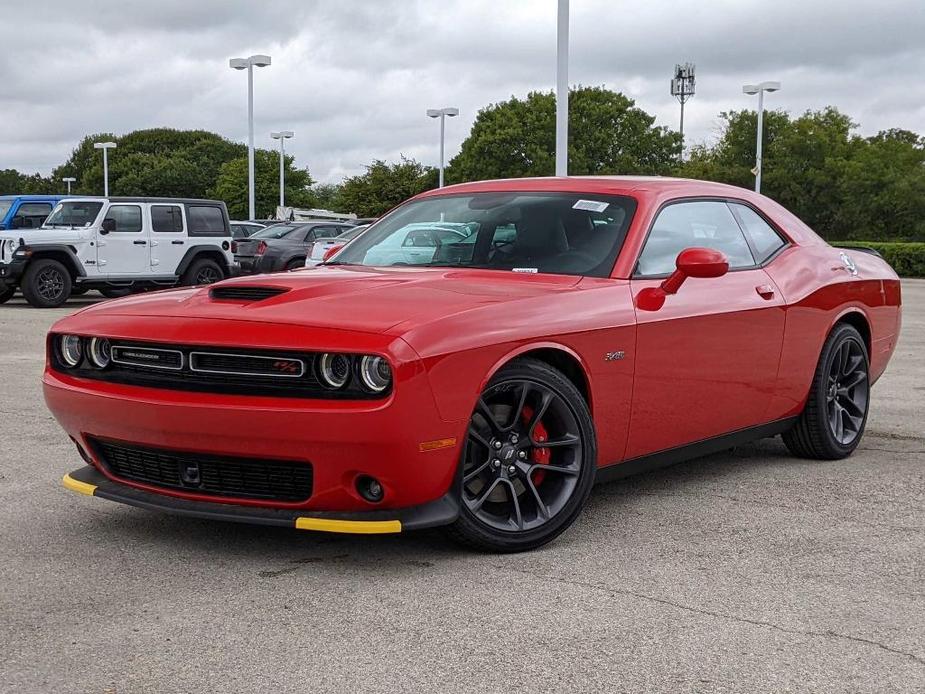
{"x":282,"y":135}
{"x":753,"y":89}
{"x":104,"y":145}
{"x":238,"y":63}
{"x":437,"y":112}
{"x":452,"y":111}
{"x":770,"y":86}
{"x":259,"y":60}
{"x":750,"y":89}
{"x":433,"y":112}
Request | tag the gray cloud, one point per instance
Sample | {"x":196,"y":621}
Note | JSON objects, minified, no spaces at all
{"x":352,"y":78}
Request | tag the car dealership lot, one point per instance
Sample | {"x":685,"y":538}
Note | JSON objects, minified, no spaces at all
{"x":744,"y":571}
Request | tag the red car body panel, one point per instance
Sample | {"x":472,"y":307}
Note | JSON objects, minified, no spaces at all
{"x":721,"y":355}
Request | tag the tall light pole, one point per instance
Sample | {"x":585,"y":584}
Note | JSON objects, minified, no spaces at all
{"x":105,"y":146}
{"x":248,"y":64}
{"x":682,"y":88}
{"x":69,"y":180}
{"x":562,"y":90}
{"x":282,"y":136}
{"x":760,"y":89}
{"x":442,"y":113}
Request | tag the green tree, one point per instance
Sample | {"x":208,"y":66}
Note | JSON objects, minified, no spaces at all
{"x":231,"y":185}
{"x":384,"y":186}
{"x":325,"y":195}
{"x":608,"y":134}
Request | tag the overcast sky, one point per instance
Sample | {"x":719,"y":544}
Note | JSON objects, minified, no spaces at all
{"x":353,"y":78}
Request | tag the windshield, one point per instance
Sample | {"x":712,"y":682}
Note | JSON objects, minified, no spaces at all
{"x":5,"y":206}
{"x":276,"y":231}
{"x":74,"y":214}
{"x":558,"y":233}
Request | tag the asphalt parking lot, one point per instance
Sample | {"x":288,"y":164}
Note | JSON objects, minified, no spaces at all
{"x":746,"y":571}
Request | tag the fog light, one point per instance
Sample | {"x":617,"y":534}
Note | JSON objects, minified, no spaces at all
{"x":370,"y":488}
{"x":71,"y":350}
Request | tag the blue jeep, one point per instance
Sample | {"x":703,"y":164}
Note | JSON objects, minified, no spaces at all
{"x":26,"y":211}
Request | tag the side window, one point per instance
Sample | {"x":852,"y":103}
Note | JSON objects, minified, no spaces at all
{"x":764,"y":238}
{"x":33,"y":214}
{"x":700,"y":224}
{"x":166,"y":218}
{"x":205,"y":220}
{"x":127,"y":217}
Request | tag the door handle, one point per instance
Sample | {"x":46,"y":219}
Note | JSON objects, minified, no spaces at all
{"x":140,"y":243}
{"x":765,"y":291}
{"x":177,"y":243}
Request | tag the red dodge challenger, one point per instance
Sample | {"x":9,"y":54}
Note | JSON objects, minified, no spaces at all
{"x":575,"y":329}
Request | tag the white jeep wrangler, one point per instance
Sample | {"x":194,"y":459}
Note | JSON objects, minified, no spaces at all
{"x":117,"y":245}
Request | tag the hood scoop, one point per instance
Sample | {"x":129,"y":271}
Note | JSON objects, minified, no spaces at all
{"x":245,"y":292}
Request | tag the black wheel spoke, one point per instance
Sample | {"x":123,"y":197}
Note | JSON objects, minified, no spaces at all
{"x":852,"y":380}
{"x":483,"y":409}
{"x":852,"y":408}
{"x":566,"y":441}
{"x":518,"y":516}
{"x":476,"y":435}
{"x":572,"y":471}
{"x":541,"y":508}
{"x":469,"y":476}
{"x":517,"y":416}
{"x":546,"y":398}
{"x":477,"y":503}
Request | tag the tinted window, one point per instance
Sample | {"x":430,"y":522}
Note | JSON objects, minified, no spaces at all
{"x":205,"y":220}
{"x":703,"y":224}
{"x":166,"y":218}
{"x":277,"y":231}
{"x":77,"y":214}
{"x":33,"y":214}
{"x":558,"y":233}
{"x":127,"y":217}
{"x":765,"y":240}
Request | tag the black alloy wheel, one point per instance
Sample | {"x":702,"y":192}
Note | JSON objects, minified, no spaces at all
{"x":529,"y":460}
{"x":201,"y":272}
{"x":835,"y":415}
{"x":46,"y":283}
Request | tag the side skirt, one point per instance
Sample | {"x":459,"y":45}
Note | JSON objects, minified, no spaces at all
{"x":672,"y":456}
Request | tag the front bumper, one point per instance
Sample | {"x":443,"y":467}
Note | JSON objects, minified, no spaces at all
{"x":89,"y":481}
{"x":10,"y":273}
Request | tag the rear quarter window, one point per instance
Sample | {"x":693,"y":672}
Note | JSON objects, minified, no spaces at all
{"x":206,"y":220}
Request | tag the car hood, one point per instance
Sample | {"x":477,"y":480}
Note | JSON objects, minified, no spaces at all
{"x":353,"y":298}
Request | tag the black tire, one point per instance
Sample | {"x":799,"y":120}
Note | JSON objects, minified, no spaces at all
{"x":549,"y":460}
{"x":295,"y":264}
{"x":46,"y":283}
{"x":832,"y":423}
{"x":202,"y":271}
{"x":7,"y":294}
{"x":115,"y":292}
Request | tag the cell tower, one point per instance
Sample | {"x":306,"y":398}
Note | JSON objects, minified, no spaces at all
{"x":682,"y":87}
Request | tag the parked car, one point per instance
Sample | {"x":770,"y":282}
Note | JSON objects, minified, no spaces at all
{"x":116,"y":245}
{"x":618,"y":324}
{"x":416,"y":243}
{"x":325,"y":248}
{"x":283,"y":246}
{"x":243,"y":230}
{"x":26,"y":211}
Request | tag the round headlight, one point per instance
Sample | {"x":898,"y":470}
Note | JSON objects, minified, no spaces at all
{"x":375,"y":373}
{"x":71,"y":349}
{"x":100,"y":352}
{"x":335,"y":369}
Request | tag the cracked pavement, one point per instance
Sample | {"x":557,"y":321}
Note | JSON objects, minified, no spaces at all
{"x":747,"y":571}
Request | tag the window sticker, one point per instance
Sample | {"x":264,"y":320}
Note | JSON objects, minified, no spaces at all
{"x":591,"y":205}
{"x":528,"y":270}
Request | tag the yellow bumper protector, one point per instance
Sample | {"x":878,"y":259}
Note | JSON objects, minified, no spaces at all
{"x":78,"y":486}
{"x":327,"y":525}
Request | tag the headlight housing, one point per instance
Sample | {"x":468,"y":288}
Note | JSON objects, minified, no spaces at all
{"x":334,"y":369}
{"x":375,"y":373}
{"x":100,"y":352}
{"x":70,"y":349}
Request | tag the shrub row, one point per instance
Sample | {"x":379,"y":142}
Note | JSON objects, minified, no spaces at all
{"x":907,"y":259}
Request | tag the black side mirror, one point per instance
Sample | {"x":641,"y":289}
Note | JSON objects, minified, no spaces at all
{"x":108,"y":225}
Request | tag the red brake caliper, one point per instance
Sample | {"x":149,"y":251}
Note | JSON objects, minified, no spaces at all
{"x":539,"y":455}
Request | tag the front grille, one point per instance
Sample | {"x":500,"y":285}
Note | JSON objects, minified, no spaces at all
{"x":245,"y":292}
{"x":246,"y":365}
{"x":253,"y":372}
{"x":212,"y":475}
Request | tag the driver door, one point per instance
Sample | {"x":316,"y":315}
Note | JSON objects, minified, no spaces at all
{"x":707,"y":360}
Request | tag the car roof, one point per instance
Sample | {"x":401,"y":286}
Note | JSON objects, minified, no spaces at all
{"x":34,"y":198}
{"x":595,"y":184}
{"x":173,"y":201}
